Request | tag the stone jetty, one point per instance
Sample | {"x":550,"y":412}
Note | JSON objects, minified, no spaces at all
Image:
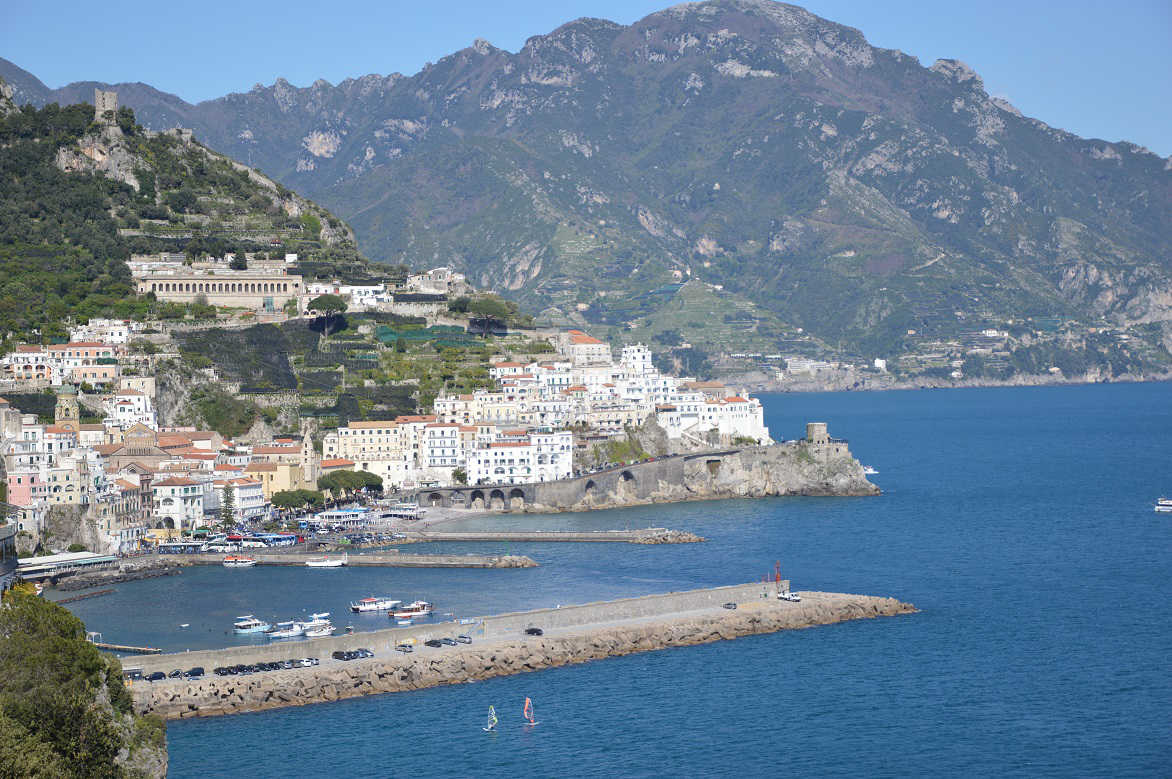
{"x":390,"y":558}
{"x":500,"y":647}
{"x":650,"y":535}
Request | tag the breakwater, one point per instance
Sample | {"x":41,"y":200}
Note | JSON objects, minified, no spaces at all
{"x":390,"y":559}
{"x":572,"y":634}
{"x":651,"y":535}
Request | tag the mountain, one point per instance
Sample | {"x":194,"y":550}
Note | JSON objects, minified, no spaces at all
{"x":80,"y":193}
{"x":736,"y":167}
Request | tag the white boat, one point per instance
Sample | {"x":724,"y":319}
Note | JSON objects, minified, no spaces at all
{"x":250,"y":624}
{"x":490,"y":725}
{"x":238,"y":561}
{"x":419,"y":608}
{"x":373,"y":604}
{"x":870,"y":471}
{"x":291,"y":629}
{"x":317,"y":619}
{"x":792,"y":597}
{"x":325,"y":562}
{"x":1164,"y":505}
{"x":320,"y":631}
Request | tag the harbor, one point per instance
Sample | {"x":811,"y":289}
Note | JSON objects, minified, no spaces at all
{"x":497,"y":645}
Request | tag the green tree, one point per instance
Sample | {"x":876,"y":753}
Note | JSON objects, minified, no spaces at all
{"x":327,"y":307}
{"x":239,"y":262}
{"x":460,"y":476}
{"x":228,"y":508}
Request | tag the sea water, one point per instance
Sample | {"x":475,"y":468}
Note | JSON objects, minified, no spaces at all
{"x":1019,"y":521}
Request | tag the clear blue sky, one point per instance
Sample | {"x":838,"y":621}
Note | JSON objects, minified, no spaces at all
{"x":1098,"y":69}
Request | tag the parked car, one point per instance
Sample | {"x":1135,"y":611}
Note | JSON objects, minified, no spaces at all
{"x":176,"y":674}
{"x":405,"y":648}
{"x":364,"y":652}
{"x":730,"y":605}
{"x":339,"y":655}
{"x":433,"y":643}
{"x":134,"y":674}
{"x":157,"y":676}
{"x":534,"y":631}
{"x":448,"y":641}
{"x":195,"y":673}
{"x":464,"y":639}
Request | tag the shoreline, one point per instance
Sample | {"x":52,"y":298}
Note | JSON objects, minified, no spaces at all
{"x":930,"y":383}
{"x":506,"y":650}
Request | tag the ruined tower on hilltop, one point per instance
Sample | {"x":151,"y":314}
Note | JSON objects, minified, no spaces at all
{"x":105,"y":106}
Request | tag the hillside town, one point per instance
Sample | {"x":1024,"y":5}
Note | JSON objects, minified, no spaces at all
{"x":123,"y":482}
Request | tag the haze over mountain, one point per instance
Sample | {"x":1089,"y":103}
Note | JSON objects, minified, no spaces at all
{"x":821,"y":182}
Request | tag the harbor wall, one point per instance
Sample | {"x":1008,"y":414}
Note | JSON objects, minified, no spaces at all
{"x":391,"y":671}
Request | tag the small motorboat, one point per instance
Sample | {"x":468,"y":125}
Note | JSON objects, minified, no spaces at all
{"x":868,"y":470}
{"x":419,"y":608}
{"x":250,"y":624}
{"x":291,"y":629}
{"x":326,"y":562}
{"x":320,"y":631}
{"x":1164,"y":505}
{"x":238,"y":561}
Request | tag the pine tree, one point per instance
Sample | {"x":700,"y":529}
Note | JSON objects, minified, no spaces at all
{"x":228,"y":508}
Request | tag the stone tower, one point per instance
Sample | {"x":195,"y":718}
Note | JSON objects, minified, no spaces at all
{"x":67,"y":414}
{"x":816,"y":433}
{"x":105,"y":102}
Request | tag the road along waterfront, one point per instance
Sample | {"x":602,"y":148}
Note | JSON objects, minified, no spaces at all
{"x":501,"y":646}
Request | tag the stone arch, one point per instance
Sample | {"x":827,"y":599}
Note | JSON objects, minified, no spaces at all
{"x":496,"y":499}
{"x":628,"y":478}
{"x":591,"y":487}
{"x":516,"y":499}
{"x":477,"y":499}
{"x":435,"y":499}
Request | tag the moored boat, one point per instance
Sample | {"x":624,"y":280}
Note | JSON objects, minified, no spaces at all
{"x":419,"y":608}
{"x":238,"y":561}
{"x":374,"y":604}
{"x":291,"y":629}
{"x":320,"y":631}
{"x":868,"y":470}
{"x":250,"y":624}
{"x":326,"y":562}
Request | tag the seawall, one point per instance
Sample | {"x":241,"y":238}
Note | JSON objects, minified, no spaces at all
{"x":573,"y":634}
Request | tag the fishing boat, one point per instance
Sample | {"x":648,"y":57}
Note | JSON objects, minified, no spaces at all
{"x":238,"y":561}
{"x":527,"y":713}
{"x":317,"y":619}
{"x":491,"y":725}
{"x":250,"y":624}
{"x":291,"y":629}
{"x":373,"y":604}
{"x":325,"y":562}
{"x":419,"y":608}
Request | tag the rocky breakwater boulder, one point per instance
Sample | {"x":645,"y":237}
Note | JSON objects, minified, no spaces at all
{"x":513,"y":561}
{"x":426,"y":667}
{"x":661,"y":535}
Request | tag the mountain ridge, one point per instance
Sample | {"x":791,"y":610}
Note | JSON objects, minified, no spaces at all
{"x":812,"y":179}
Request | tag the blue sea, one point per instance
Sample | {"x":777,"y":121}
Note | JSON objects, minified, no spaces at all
{"x":1019,"y":521}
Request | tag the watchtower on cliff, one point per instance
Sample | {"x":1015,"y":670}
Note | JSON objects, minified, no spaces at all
{"x":105,"y":106}
{"x":816,"y":433}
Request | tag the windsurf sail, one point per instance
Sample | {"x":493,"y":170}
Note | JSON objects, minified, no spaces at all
{"x":491,"y":719}
{"x":528,"y":712}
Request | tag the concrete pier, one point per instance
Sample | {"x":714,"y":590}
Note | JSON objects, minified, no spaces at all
{"x":571,"y":634}
{"x":392,"y":559}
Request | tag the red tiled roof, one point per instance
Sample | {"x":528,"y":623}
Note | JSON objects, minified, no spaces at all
{"x":337,"y":462}
{"x":174,"y":481}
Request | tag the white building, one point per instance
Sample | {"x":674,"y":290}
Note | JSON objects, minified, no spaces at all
{"x":179,"y":502}
{"x":128,"y":407}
